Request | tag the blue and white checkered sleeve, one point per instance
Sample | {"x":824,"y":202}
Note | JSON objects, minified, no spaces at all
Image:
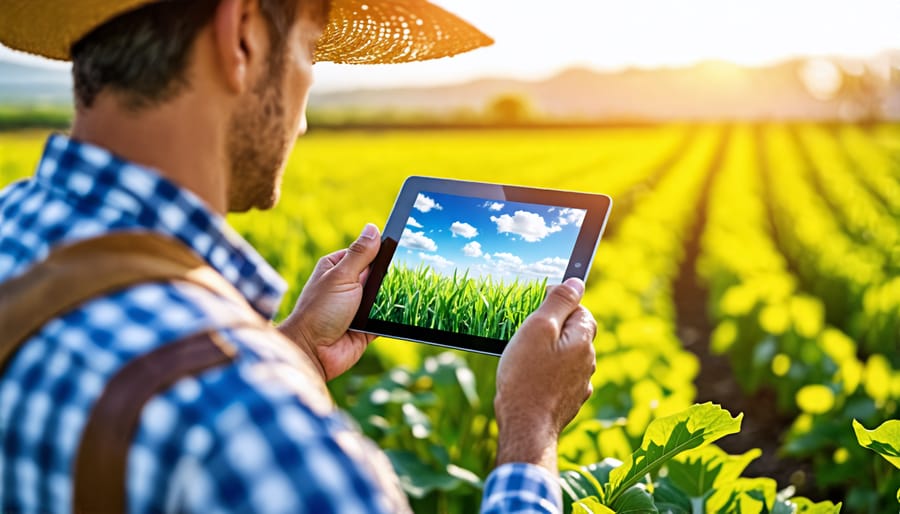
{"x":273,"y":459}
{"x":521,"y":488}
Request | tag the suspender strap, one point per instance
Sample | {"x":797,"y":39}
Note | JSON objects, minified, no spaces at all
{"x":74,"y":274}
{"x":100,"y":467}
{"x":88,"y":269}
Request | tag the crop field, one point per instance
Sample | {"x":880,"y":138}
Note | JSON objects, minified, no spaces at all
{"x":480,"y":307}
{"x":755,"y":267}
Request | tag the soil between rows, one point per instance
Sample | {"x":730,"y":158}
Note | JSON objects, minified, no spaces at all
{"x":762,"y":426}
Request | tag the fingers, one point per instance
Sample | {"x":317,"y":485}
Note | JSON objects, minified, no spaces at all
{"x":326,"y":263}
{"x":360,"y":254}
{"x":580,"y":330}
{"x":582,"y":323}
{"x":364,"y":276}
{"x":562,"y":300}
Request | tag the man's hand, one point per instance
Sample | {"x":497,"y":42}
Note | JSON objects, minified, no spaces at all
{"x":544,"y":377}
{"x":328,"y":303}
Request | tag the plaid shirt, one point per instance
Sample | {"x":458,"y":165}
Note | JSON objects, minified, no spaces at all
{"x":235,"y":438}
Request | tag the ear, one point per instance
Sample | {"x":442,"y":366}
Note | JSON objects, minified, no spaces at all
{"x":239,"y":38}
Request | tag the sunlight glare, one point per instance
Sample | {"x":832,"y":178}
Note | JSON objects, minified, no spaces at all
{"x":822,"y":78}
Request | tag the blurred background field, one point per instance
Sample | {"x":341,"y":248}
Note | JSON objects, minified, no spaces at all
{"x":751,"y":258}
{"x":736,"y":268}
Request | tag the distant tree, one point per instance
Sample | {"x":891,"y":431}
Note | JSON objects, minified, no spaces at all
{"x":864,"y":93}
{"x":509,"y":108}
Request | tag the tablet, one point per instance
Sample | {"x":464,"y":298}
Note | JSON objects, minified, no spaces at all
{"x":462,"y":264}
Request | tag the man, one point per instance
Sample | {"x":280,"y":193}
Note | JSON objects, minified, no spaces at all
{"x":186,"y":110}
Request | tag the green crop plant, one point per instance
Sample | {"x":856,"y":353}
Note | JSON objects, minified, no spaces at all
{"x":884,"y":440}
{"x":676,"y":470}
{"x":481,"y":306}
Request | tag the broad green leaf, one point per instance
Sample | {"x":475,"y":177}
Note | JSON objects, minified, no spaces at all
{"x":743,"y":495}
{"x":695,"y":477}
{"x":667,"y":437}
{"x":698,"y":471}
{"x":600,"y":471}
{"x":671,"y":508}
{"x":670,"y":499}
{"x":590,"y":505}
{"x":636,"y":500}
{"x":884,"y":440}
{"x":806,"y":506}
{"x":581,"y":482}
{"x":418,"y":478}
{"x":575,"y":487}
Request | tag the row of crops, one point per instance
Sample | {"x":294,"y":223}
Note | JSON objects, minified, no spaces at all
{"x":799,"y":252}
{"x":775,"y":332}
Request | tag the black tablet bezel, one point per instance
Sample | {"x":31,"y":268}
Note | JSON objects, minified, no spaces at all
{"x":597,"y":206}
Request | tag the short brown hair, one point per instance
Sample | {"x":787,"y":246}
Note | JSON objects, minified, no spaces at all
{"x":143,"y":53}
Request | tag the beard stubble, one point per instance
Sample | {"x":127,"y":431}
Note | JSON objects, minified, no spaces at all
{"x":258,"y":144}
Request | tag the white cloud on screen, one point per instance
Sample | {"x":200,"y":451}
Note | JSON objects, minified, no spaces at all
{"x":575,"y":216}
{"x":413,"y":223}
{"x":472,"y":249}
{"x":463,"y":230}
{"x":436,"y":260}
{"x":507,"y":259}
{"x":504,"y":264}
{"x":426,"y":204}
{"x":417,"y":241}
{"x":553,"y":267}
{"x":493,"y":206}
{"x":530,"y":226}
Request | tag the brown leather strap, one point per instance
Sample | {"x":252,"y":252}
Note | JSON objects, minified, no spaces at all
{"x":100,"y":467}
{"x":85,"y":270}
{"x":88,"y":269}
{"x":76,"y":273}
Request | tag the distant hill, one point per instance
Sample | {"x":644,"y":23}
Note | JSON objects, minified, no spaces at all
{"x":708,"y":91}
{"x":24,"y":84}
{"x":713,"y":90}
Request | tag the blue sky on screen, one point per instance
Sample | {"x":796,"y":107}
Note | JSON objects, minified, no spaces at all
{"x":506,"y":240}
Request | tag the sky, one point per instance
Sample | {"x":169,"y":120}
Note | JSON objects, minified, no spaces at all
{"x":538,"y":39}
{"x":506,"y":240}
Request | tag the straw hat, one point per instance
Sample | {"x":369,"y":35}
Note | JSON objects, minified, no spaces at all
{"x":358,"y":31}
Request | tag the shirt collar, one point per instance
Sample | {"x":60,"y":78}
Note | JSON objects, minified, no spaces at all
{"x":93,"y":177}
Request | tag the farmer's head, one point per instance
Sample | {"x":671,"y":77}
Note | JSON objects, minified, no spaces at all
{"x":251,"y":58}
{"x":243,"y":66}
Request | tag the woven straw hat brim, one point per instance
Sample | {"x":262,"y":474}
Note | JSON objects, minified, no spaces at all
{"x":49,"y":28}
{"x":358,"y":31}
{"x":394,"y":31}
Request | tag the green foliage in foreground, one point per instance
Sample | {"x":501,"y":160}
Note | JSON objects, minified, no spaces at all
{"x":676,"y":470}
{"x":827,"y":365}
{"x":436,"y":423}
{"x":481,"y":307}
{"x":884,"y":440}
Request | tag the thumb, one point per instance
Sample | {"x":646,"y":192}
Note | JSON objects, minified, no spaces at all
{"x":563,"y":299}
{"x":360,"y":254}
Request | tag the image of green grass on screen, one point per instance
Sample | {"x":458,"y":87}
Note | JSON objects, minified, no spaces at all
{"x":475,"y":266}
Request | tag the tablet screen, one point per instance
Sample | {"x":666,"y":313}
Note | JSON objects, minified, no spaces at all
{"x":465,"y":270}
